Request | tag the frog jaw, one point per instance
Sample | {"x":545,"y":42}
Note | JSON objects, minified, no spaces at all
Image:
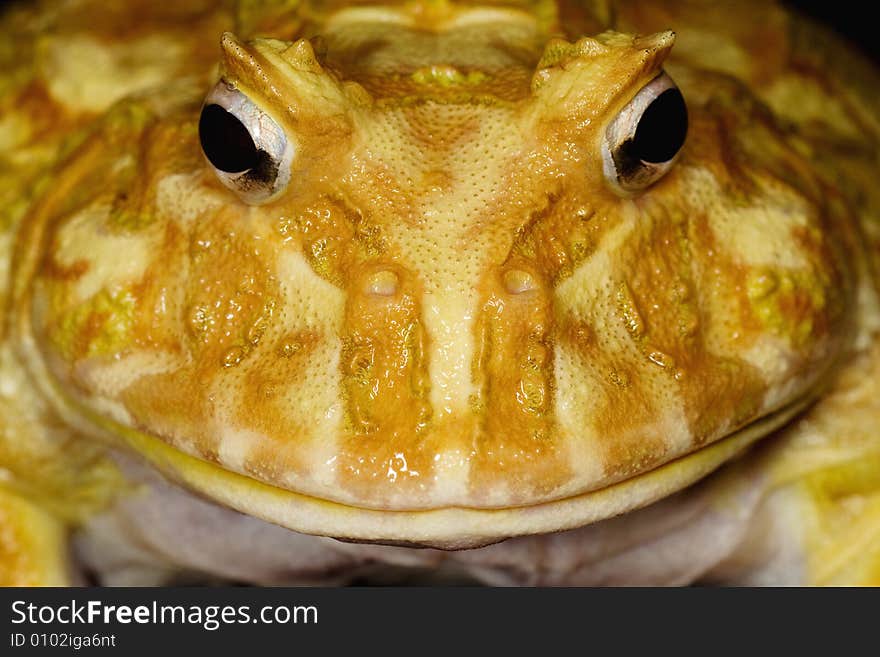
{"x":448,"y":528}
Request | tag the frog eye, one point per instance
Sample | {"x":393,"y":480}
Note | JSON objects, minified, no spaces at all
{"x":644,"y":139}
{"x":247,"y":149}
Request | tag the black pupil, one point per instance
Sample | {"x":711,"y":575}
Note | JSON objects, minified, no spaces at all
{"x":227,"y":143}
{"x":662,"y":128}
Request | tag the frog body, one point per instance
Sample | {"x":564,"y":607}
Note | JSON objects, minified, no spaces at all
{"x":341,"y":280}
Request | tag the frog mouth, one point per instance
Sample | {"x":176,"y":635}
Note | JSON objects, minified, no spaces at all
{"x":449,"y":528}
{"x":443,"y":525}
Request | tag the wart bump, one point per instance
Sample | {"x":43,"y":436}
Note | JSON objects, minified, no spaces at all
{"x":382,"y":284}
{"x":517,"y":281}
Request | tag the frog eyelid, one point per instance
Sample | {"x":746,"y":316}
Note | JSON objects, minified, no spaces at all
{"x":644,"y":140}
{"x":248,"y":150}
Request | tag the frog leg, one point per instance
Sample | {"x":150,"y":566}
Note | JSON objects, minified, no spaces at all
{"x":33,"y":544}
{"x":33,"y":539}
{"x":52,"y":478}
{"x":819,"y":522}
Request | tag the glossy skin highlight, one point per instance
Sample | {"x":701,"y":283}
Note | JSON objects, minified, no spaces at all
{"x":449,"y":328}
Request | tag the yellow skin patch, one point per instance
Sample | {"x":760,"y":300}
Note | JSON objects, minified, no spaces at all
{"x":31,"y":544}
{"x":448,"y":307}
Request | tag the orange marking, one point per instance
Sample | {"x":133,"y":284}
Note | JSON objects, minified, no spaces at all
{"x":517,"y":443}
{"x":386,"y":385}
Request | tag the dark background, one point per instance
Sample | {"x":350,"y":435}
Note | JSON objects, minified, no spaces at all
{"x":851,"y":18}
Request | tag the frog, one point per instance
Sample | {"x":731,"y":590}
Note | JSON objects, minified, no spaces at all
{"x":510,"y":292}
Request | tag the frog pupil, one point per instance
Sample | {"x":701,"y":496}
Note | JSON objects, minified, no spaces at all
{"x":662,"y":128}
{"x":226,"y":141}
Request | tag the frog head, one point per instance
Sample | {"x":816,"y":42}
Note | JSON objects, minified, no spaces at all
{"x":434,"y":277}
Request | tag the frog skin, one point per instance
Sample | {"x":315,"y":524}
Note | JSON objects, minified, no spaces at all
{"x":446,"y":293}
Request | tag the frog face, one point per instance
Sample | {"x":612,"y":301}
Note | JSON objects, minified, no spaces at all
{"x":434,"y":277}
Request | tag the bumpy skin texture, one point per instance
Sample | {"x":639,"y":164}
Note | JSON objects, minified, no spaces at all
{"x":448,"y":329}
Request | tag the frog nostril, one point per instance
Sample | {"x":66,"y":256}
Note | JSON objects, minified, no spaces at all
{"x":517,"y":281}
{"x":381,"y":284}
